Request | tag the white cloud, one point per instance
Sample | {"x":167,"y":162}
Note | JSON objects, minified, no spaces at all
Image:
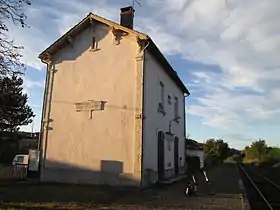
{"x":241,"y":37}
{"x":48,"y":22}
{"x":29,"y":85}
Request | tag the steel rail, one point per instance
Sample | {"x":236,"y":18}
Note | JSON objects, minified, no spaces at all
{"x":255,"y":186}
{"x":273,"y":183}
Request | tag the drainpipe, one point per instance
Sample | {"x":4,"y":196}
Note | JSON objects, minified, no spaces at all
{"x":43,"y":108}
{"x":185,"y":96}
{"x":51,"y":71}
{"x":45,"y":116}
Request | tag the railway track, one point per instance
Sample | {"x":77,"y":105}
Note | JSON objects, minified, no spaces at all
{"x":262,"y":192}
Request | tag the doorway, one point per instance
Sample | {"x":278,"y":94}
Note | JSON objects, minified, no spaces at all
{"x":160,"y":155}
{"x":176,"y":155}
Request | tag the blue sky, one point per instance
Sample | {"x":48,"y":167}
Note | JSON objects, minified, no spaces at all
{"x":225,"y":51}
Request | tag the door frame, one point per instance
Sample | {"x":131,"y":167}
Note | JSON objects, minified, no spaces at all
{"x":176,"y":155}
{"x":161,"y":154}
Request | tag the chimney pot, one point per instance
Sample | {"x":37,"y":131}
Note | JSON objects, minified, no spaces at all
{"x":127,"y":16}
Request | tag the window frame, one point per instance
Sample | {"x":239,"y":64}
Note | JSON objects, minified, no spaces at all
{"x":161,"y":93}
{"x":169,"y":99}
{"x":161,"y":98}
{"x":176,"y":108}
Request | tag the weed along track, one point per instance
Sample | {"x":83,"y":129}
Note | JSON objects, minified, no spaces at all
{"x":262,"y":192}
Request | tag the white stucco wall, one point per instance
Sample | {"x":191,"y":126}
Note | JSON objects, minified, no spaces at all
{"x":155,"y":121}
{"x":73,"y":140}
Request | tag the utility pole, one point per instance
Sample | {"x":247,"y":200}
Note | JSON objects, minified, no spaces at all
{"x":32,"y":126}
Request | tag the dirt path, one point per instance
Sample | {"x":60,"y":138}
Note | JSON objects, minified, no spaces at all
{"x":223,"y":193}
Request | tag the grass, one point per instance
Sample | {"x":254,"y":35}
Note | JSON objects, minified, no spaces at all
{"x":4,"y":171}
{"x":229,"y":160}
{"x":26,"y":205}
{"x":60,"y":196}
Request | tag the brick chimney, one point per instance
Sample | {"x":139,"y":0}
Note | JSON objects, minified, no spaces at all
{"x":127,"y":15}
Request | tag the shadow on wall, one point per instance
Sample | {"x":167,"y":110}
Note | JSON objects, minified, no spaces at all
{"x":87,"y":40}
{"x":79,"y":43}
{"x":110,"y":173}
{"x":70,"y":49}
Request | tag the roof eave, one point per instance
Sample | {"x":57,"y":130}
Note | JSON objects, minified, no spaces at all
{"x":47,"y":53}
{"x":120,"y":27}
{"x":171,"y":72}
{"x":79,"y":26}
{"x":60,"y":40}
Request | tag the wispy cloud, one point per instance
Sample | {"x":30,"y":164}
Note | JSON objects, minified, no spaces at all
{"x":29,"y":85}
{"x":241,"y":38}
{"x":49,"y":20}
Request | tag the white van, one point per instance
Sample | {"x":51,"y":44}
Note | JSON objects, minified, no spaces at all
{"x":21,"y":159}
{"x":31,"y":160}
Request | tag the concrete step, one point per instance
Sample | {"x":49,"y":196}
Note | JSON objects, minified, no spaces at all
{"x":173,"y":180}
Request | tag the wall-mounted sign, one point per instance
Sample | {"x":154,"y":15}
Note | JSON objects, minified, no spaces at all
{"x":89,"y":106}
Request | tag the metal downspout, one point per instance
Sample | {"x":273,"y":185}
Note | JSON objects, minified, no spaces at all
{"x":185,"y":129}
{"x":41,"y":135}
{"x":45,"y":117}
{"x":43,"y":108}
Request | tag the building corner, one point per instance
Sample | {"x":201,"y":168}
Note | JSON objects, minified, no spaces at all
{"x":138,"y":119}
{"x":42,"y":146}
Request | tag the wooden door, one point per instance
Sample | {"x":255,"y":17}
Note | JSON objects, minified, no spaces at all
{"x":176,"y":155}
{"x":160,"y":155}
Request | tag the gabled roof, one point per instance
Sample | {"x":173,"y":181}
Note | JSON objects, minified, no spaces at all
{"x":151,"y":47}
{"x":193,"y":145}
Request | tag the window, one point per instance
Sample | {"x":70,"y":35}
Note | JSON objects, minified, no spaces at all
{"x":169,"y":99}
{"x":20,"y":159}
{"x":93,"y":44}
{"x":161,"y":98}
{"x":161,"y":93}
{"x":176,"y":114}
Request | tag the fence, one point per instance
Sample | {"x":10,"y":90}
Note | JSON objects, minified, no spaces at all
{"x":19,"y":172}
{"x":13,"y":173}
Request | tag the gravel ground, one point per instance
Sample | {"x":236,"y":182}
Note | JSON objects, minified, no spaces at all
{"x":222,"y":193}
{"x":271,"y":173}
{"x":5,"y":172}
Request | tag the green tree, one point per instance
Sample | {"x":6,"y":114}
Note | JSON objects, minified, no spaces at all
{"x":222,"y":149}
{"x":11,"y":10}
{"x":216,"y":149}
{"x":246,"y":151}
{"x":209,"y":147}
{"x":273,"y":154}
{"x":258,"y":149}
{"x":14,"y":110}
